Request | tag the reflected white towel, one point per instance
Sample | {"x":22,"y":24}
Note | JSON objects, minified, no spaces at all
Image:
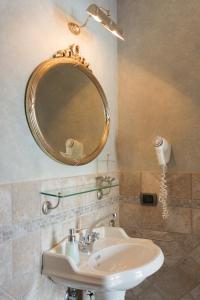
{"x":73,"y":149}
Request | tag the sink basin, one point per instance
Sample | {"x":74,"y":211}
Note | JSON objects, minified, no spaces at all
{"x":116,"y":264}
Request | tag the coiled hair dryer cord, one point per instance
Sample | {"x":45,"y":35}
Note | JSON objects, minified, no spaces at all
{"x":163,"y":195}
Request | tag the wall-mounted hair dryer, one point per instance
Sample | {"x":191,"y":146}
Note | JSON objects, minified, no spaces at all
{"x":163,"y":152}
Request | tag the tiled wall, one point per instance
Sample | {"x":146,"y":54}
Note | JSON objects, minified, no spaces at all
{"x":25,"y":232}
{"x":178,"y":236}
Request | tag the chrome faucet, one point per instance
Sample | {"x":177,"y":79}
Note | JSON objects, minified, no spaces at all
{"x":87,"y":240}
{"x":104,"y":180}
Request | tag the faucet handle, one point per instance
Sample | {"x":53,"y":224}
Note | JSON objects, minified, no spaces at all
{"x":81,"y":232}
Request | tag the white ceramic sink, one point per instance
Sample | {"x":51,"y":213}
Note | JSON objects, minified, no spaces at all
{"x":116,"y":264}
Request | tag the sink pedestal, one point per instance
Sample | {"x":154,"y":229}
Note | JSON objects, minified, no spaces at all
{"x":110,"y":295}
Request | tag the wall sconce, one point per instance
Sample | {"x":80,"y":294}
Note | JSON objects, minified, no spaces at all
{"x":100,"y":15}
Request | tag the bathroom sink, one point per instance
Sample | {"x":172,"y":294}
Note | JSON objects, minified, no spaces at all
{"x":117,"y":262}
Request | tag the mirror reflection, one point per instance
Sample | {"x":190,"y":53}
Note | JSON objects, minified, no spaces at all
{"x":70,"y":112}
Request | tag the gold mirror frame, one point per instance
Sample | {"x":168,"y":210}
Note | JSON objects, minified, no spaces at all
{"x":67,"y":56}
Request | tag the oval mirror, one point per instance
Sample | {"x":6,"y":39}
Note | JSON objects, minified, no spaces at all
{"x":66,"y":109}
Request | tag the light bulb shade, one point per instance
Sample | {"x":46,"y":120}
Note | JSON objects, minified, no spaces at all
{"x":94,"y":11}
{"x":118,"y":34}
{"x":100,"y":16}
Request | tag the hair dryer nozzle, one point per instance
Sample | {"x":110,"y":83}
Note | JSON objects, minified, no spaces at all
{"x":158,"y":141}
{"x":163,"y":150}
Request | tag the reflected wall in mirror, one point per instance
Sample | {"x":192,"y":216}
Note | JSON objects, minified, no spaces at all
{"x":66,"y":109}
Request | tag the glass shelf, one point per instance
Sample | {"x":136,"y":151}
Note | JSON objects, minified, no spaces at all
{"x":78,"y":190}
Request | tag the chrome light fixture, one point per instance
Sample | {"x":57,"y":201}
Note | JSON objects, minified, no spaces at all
{"x":100,"y":15}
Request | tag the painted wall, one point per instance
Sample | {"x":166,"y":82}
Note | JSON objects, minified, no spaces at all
{"x":31,"y":31}
{"x":159,"y":88}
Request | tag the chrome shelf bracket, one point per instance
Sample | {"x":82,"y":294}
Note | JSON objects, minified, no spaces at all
{"x":47,"y":205}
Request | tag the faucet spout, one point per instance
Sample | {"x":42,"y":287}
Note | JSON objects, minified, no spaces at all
{"x":87,"y":241}
{"x":112,"y":217}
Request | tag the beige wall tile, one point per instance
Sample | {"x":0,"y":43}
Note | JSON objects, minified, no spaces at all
{"x":174,"y":245}
{"x":150,"y":182}
{"x":22,"y":285}
{"x":51,"y":235}
{"x":152,"y":218}
{"x":179,"y":220}
{"x":195,"y":293}
{"x":5,"y":204}
{"x":4,"y":296}
{"x":138,"y":290}
{"x":130,"y":215}
{"x":196,"y":186}
{"x":89,"y":198}
{"x":179,"y":280}
{"x":196,"y":190}
{"x":187,"y":297}
{"x":179,"y":202}
{"x":129,"y":295}
{"x":135,"y":232}
{"x":151,"y":293}
{"x":130,"y":184}
{"x":5,"y":263}
{"x":47,"y":290}
{"x":196,"y":220}
{"x":180,"y":189}
{"x":26,"y":201}
{"x":195,"y":203}
{"x":180,"y":185}
{"x":140,"y":217}
{"x":26,"y":253}
{"x":144,"y":217}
